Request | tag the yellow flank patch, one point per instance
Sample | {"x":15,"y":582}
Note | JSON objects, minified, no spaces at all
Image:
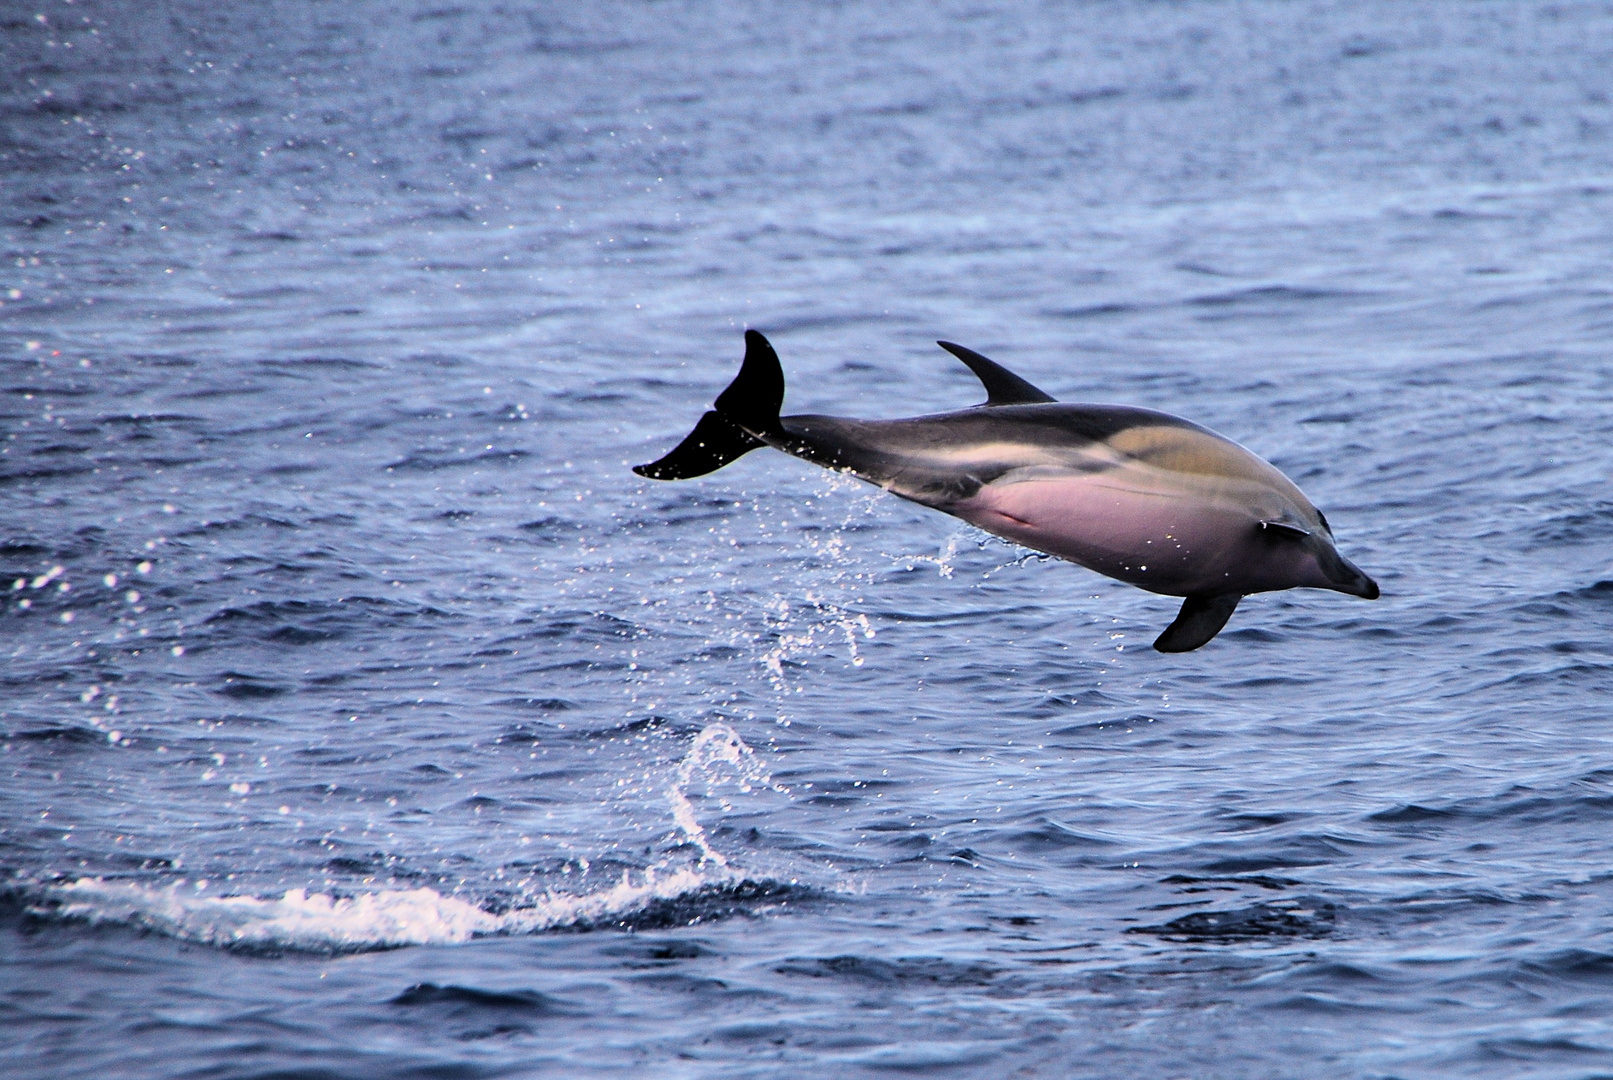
{"x":1197,"y":452}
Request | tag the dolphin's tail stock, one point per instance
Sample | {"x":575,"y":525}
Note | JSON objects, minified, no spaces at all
{"x":745,"y":415}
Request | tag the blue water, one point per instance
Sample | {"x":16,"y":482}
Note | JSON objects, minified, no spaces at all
{"x":363,"y":715}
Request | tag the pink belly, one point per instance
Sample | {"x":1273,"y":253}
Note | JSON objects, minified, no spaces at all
{"x":1156,"y":536}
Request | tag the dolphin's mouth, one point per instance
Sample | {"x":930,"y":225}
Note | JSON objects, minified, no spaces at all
{"x":1348,"y":578}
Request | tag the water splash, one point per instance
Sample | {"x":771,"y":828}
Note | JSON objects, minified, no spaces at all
{"x":717,"y":744}
{"x":389,"y":918}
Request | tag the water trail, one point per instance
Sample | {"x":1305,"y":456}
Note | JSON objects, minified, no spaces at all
{"x":827,"y":618}
{"x":945,"y":560}
{"x":942,"y":560}
{"x":825,"y":612}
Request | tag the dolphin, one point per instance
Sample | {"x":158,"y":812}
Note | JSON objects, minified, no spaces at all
{"x":1137,"y":495}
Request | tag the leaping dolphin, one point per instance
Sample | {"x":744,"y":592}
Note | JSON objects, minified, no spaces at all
{"x":1137,"y":495}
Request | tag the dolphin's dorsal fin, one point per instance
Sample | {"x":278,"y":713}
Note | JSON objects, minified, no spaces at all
{"x":1003,"y":387}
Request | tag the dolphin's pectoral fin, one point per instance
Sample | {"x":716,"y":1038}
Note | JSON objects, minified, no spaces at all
{"x":1201,"y":618}
{"x":1003,"y":387}
{"x":1284,"y":528}
{"x":714,"y":442}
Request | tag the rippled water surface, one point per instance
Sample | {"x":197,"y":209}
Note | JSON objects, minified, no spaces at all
{"x":363,"y":715}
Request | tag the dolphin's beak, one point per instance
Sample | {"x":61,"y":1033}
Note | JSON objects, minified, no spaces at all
{"x":1348,"y":578}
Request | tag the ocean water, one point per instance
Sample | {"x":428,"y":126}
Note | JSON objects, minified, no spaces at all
{"x":364,"y":716}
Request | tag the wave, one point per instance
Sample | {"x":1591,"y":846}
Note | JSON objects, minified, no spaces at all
{"x":1298,"y":917}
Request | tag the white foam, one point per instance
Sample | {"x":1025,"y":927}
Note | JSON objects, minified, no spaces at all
{"x":387,"y":918}
{"x":296,"y":920}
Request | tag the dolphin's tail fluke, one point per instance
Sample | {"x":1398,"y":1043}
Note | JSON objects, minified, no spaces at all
{"x":755,"y":396}
{"x":746,"y":413}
